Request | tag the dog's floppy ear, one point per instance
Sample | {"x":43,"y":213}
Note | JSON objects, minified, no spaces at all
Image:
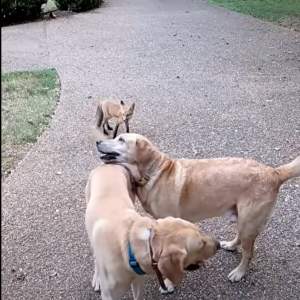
{"x":171,"y":264}
{"x":144,"y":152}
{"x":195,"y":244}
{"x":132,"y":106}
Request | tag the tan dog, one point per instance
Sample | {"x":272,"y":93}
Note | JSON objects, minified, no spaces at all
{"x":113,"y":226}
{"x":199,"y":189}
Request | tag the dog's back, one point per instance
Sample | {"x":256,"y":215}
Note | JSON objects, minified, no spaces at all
{"x":110,"y":212}
{"x":108,"y":193}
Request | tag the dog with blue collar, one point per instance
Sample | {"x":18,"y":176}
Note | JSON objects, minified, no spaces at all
{"x":127,"y":246}
{"x":137,"y":269}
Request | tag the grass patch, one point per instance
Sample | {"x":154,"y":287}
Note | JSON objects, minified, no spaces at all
{"x":28,"y":101}
{"x":283,"y":12}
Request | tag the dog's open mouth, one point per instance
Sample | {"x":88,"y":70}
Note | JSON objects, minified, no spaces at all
{"x":194,"y":267}
{"x":109,"y":156}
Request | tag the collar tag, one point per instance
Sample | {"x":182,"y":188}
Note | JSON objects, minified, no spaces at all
{"x":144,"y":180}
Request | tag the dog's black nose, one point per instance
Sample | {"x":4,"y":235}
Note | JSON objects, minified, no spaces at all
{"x":218,"y":245}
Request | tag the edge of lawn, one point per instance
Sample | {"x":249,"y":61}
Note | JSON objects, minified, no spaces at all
{"x":15,"y":149}
{"x":289,"y":19}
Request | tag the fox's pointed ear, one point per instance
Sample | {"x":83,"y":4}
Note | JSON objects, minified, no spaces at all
{"x":132,"y":106}
{"x":122,"y":102}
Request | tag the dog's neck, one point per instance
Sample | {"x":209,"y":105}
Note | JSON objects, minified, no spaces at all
{"x":145,"y":249}
{"x":141,"y":238}
{"x":153,"y":168}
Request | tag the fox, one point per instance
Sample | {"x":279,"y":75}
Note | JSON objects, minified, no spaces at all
{"x":109,"y":109}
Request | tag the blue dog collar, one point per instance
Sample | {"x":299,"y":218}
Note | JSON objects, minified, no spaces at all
{"x":133,"y":263}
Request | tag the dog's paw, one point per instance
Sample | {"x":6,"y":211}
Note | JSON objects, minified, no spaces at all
{"x":236,"y":275}
{"x":234,"y":219}
{"x":96,"y":287}
{"x":170,"y":287}
{"x":230,"y":246}
{"x":96,"y":283}
{"x":168,"y":291}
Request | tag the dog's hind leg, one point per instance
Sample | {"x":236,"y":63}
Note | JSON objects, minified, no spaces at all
{"x":248,"y":249}
{"x":231,"y":245}
{"x":114,"y":286}
{"x":251,"y":220}
{"x":137,"y":288}
{"x":119,"y":290}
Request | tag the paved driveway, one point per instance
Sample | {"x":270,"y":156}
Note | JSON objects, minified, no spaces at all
{"x":207,"y":82}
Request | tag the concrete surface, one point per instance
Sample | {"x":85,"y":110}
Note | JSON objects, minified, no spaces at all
{"x":207,"y":82}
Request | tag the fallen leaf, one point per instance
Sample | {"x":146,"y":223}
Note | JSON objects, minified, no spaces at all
{"x":53,"y":274}
{"x":21,"y":277}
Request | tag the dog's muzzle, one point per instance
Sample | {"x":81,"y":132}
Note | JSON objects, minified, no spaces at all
{"x":105,"y":154}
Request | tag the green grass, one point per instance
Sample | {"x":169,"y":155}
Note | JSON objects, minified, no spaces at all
{"x":284,"y":12}
{"x":28,"y":101}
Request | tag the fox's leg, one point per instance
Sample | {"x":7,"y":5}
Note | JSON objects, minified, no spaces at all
{"x":116,"y":130}
{"x":108,"y":126}
{"x":127,"y":126}
{"x":104,"y":130}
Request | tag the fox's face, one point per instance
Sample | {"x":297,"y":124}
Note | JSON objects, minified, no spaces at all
{"x":127,"y":111}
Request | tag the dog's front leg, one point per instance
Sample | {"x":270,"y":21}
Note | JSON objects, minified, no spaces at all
{"x":96,"y":278}
{"x":169,"y":285}
{"x":137,"y":288}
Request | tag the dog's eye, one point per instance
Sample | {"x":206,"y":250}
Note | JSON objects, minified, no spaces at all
{"x":121,"y":140}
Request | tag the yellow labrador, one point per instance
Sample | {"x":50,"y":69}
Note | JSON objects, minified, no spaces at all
{"x":127,"y":245}
{"x":199,"y":189}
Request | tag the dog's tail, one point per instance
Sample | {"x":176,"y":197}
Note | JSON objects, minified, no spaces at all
{"x":291,"y":170}
{"x":97,"y":135}
{"x":99,"y":116}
